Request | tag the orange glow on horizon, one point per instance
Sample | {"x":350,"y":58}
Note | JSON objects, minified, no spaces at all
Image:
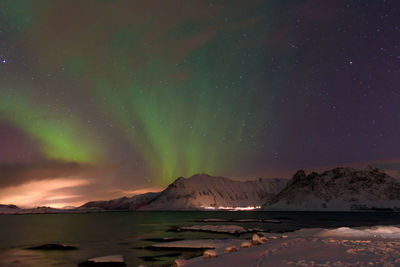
{"x":41,"y":193}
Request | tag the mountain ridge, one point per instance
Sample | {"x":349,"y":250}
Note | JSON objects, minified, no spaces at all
{"x":339,"y":189}
{"x":123,"y":203}
{"x":203,"y":191}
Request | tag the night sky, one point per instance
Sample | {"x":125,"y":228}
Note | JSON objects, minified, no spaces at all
{"x":101,"y":99}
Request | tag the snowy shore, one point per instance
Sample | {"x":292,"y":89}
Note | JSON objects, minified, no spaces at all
{"x":375,"y":246}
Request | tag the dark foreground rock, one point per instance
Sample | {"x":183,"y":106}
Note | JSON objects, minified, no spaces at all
{"x":53,"y":247}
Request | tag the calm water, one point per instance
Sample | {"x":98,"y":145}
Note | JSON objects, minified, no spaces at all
{"x":99,"y":234}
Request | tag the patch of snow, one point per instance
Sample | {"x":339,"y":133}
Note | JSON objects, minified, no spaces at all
{"x":231,"y":229}
{"x":124,"y":203}
{"x":215,"y":220}
{"x":240,"y":220}
{"x":230,"y":249}
{"x":108,"y":259}
{"x":210,"y":253}
{"x":256,"y":240}
{"x":12,"y":209}
{"x":218,"y":244}
{"x":179,"y":263}
{"x":246,"y":244}
{"x":388,"y":232}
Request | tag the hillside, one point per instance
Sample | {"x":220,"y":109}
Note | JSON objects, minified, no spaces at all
{"x":203,"y":191}
{"x":340,"y":189}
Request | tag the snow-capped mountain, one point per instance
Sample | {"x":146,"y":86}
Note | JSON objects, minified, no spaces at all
{"x":340,"y":189}
{"x":13,"y":209}
{"x":202,"y":191}
{"x":124,"y":203}
{"x":7,"y":209}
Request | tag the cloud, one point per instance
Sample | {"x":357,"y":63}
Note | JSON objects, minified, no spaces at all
{"x":58,"y":183}
{"x":37,"y":193}
{"x":18,"y":173}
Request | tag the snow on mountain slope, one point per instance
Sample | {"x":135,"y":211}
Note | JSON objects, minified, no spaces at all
{"x":124,"y":203}
{"x":340,"y":189}
{"x":7,"y":209}
{"x":13,"y":209}
{"x":204,"y":191}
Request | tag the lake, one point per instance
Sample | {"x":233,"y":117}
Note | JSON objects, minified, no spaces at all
{"x":128,"y":233}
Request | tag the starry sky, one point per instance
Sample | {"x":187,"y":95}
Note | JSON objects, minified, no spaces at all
{"x":103,"y":98}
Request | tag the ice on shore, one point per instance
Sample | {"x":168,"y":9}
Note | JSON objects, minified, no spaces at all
{"x":110,"y":260}
{"x":218,"y":244}
{"x":230,"y":229}
{"x":240,"y":220}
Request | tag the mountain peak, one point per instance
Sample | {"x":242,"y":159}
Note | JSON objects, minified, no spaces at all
{"x":197,"y":176}
{"x":299,"y":175}
{"x":203,"y":190}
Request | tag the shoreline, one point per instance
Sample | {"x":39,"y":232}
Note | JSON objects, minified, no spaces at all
{"x":344,"y":246}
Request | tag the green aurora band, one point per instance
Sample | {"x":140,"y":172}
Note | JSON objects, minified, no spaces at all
{"x":185,"y":102}
{"x":56,"y":135}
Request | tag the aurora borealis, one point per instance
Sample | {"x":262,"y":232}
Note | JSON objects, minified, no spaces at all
{"x":126,"y":95}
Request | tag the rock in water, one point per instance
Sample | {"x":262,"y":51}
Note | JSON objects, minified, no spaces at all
{"x":179,"y":263}
{"x":246,"y":244}
{"x":230,"y":249}
{"x":210,"y":253}
{"x":256,"y":240}
{"x":110,"y":260}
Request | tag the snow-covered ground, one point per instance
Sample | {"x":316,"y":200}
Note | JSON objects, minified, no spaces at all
{"x":376,"y":246}
{"x":387,"y":232}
